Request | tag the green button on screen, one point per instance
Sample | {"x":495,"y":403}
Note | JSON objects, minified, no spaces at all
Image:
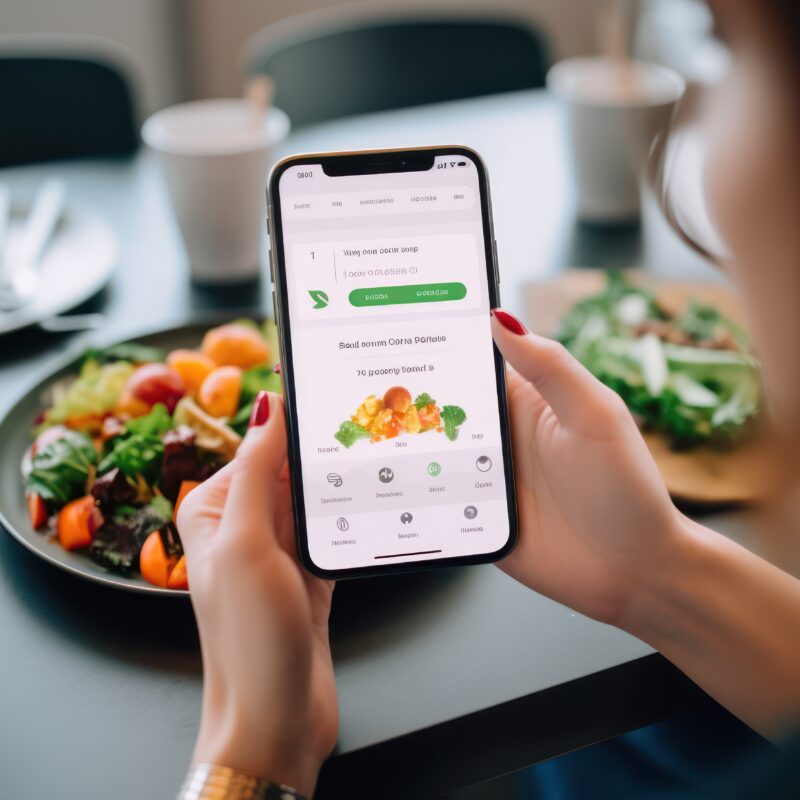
{"x":411,"y":293}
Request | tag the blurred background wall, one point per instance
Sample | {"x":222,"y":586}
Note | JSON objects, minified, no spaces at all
{"x":217,"y":30}
{"x":179,"y":49}
{"x":147,"y":34}
{"x":184,"y":49}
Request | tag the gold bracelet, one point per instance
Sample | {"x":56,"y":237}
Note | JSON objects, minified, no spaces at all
{"x":213,"y":782}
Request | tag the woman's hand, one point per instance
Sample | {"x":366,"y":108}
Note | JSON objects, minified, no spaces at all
{"x":596,"y":523}
{"x":269,"y":697}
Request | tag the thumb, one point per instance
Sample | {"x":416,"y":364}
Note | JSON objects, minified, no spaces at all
{"x":572,"y":392}
{"x":258,"y":465}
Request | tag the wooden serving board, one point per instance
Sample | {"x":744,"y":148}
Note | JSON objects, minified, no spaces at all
{"x":704,"y":475}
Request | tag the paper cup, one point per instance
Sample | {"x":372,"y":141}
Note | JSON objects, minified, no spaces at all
{"x":613,"y":110}
{"x":215,"y":155}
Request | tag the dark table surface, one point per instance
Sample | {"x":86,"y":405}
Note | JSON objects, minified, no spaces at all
{"x":445,"y":678}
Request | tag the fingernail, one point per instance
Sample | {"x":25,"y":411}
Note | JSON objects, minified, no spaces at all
{"x":277,"y":368}
{"x":509,"y":321}
{"x":260,"y":413}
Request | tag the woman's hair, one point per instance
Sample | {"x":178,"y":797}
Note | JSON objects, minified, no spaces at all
{"x":783,"y":18}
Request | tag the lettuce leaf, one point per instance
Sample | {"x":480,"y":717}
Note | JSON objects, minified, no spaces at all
{"x":156,"y":423}
{"x":94,"y":392}
{"x":258,"y":379}
{"x":60,"y":470}
{"x":134,"y":455}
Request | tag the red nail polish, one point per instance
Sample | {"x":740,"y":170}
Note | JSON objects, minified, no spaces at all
{"x":277,"y":368}
{"x":509,"y":321}
{"x":260,"y":413}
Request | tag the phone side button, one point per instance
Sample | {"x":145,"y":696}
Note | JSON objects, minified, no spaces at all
{"x":496,"y":262}
{"x":274,"y":308}
{"x":271,"y":269}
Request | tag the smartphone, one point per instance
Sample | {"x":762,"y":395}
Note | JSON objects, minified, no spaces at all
{"x":384,"y":272}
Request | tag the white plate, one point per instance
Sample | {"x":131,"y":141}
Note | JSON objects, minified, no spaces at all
{"x":77,"y":262}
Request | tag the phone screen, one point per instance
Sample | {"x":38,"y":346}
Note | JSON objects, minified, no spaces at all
{"x":396,"y":390}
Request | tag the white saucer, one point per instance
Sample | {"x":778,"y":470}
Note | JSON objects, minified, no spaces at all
{"x":77,"y":262}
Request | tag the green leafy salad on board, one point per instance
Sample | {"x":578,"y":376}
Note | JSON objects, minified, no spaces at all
{"x":690,"y":375}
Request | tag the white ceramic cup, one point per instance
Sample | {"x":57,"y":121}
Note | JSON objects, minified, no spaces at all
{"x":613,"y":110}
{"x":215,"y":155}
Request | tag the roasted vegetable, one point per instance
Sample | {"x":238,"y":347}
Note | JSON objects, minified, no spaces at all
{"x":37,"y":510}
{"x":178,"y":579}
{"x":77,"y":523}
{"x":154,"y":563}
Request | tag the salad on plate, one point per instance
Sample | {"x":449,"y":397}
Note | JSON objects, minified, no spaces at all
{"x":121,"y":443}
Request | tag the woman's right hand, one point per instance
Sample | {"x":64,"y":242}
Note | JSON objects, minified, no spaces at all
{"x":597,"y":526}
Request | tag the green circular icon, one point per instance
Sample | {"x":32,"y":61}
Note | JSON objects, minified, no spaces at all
{"x":434,"y":468}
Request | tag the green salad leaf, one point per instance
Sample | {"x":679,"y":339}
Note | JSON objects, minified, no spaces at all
{"x":423,"y":400}
{"x":350,"y":432}
{"x":259,"y":379}
{"x":126,"y":351}
{"x":94,"y":392}
{"x":254,"y":380}
{"x":137,"y":454}
{"x":690,"y":375}
{"x":452,"y":417}
{"x":155,"y":423}
{"x":61,"y":469}
{"x":241,"y":420}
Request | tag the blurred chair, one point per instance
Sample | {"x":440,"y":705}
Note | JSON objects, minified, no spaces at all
{"x":327,"y":66}
{"x":63,"y":98}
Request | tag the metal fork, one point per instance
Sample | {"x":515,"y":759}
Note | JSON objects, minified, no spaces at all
{"x":20,"y":275}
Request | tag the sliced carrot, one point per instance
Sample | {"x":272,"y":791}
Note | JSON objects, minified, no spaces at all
{"x":178,"y":578}
{"x":154,"y":564}
{"x":186,"y":487}
{"x":36,"y":510}
{"x":77,"y":522}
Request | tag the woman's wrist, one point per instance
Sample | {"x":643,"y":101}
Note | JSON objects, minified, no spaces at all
{"x":230,"y":737}
{"x":664,"y":599}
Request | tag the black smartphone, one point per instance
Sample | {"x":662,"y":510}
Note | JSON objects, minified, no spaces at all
{"x":384,"y":271}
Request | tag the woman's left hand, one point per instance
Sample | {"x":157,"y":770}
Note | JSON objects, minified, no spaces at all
{"x":269,"y":697}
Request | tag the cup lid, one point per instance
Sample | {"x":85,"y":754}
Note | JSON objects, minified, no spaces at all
{"x":615,"y":82}
{"x":215,"y":127}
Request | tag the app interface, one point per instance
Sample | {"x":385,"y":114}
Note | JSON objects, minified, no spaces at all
{"x":393,"y":364}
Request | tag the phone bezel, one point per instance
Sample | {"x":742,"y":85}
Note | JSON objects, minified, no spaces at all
{"x":397,"y":158}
